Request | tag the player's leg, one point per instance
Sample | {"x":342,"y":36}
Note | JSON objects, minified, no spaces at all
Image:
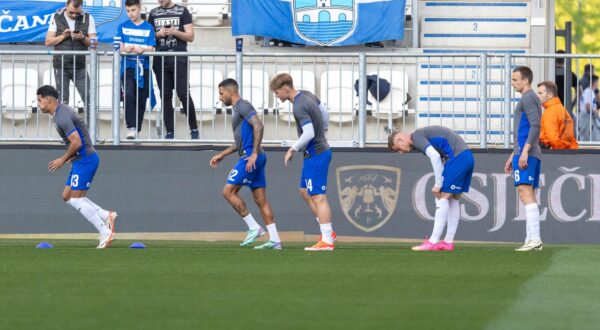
{"x":274,"y":242}
{"x":466,"y":163}
{"x":439,"y":223}
{"x":237,"y":178}
{"x":315,"y":171}
{"x":526,"y":181}
{"x":79,"y":182}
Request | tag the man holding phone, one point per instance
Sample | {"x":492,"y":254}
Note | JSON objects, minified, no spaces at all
{"x":71,"y":29}
{"x":174,"y":28}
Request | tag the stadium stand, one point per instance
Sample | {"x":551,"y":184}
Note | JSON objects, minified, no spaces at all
{"x":18,"y":92}
{"x":75,"y":100}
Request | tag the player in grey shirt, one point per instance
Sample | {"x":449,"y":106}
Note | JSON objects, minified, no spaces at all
{"x":250,"y":168}
{"x":317,"y":155}
{"x":84,"y":163}
{"x":453,"y":165}
{"x":524,"y":162}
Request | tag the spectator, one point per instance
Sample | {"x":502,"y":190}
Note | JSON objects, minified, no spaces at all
{"x":557,"y":130}
{"x":137,"y":37}
{"x":588,"y":122}
{"x":174,"y":29}
{"x":560,"y":76}
{"x":71,"y":29}
{"x":588,"y":70}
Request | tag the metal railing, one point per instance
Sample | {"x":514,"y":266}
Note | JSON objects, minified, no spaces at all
{"x":470,"y":93}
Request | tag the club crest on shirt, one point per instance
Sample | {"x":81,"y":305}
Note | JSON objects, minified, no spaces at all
{"x":368,"y":194}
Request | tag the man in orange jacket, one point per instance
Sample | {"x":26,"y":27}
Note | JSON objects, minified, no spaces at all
{"x":557,"y":125}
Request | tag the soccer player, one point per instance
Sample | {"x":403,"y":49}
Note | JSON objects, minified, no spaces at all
{"x":525,"y":161}
{"x":317,"y":155}
{"x":84,"y":163}
{"x":453,"y":164}
{"x":250,"y":169}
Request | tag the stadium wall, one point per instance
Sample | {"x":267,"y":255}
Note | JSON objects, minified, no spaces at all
{"x":161,"y":190}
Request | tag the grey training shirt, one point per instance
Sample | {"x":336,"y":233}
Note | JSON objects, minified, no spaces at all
{"x":68,"y":121}
{"x":306,"y":110}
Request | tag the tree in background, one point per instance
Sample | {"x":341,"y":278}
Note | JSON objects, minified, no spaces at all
{"x":585,"y":18}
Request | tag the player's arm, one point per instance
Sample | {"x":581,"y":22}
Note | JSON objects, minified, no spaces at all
{"x":257,"y":131}
{"x":74,"y":145}
{"x":438,"y":168}
{"x":221,"y":155}
{"x":308,"y":133}
{"x":508,"y":163}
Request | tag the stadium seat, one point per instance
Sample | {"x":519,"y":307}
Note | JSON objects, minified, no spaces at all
{"x":337,"y":93}
{"x":255,"y":87}
{"x":105,"y":95}
{"x":209,"y":12}
{"x":303,"y":80}
{"x":394,"y":104}
{"x":75,"y":100}
{"x":205,"y":93}
{"x":19,"y":86}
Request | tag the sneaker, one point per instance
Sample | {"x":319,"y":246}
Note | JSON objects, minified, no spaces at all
{"x":170,"y":136}
{"x":333,"y":237}
{"x":320,"y":246}
{"x":131,"y":134}
{"x":252,"y":236}
{"x":446,"y":246}
{"x":427,"y":246}
{"x":195,"y":134}
{"x":110,"y":222}
{"x":531,"y":245}
{"x":106,"y":242}
{"x":269,"y":245}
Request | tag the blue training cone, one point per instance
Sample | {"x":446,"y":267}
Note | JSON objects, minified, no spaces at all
{"x":137,"y":245}
{"x":44,"y":245}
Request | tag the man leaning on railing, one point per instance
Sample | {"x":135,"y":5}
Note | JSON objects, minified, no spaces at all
{"x":174,"y":29}
{"x":71,"y":30}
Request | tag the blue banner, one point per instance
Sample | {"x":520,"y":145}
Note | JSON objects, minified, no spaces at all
{"x":320,"y":22}
{"x":28,"y":20}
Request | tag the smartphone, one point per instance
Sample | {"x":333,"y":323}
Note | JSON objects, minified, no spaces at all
{"x":168,"y":26}
{"x":76,"y":31}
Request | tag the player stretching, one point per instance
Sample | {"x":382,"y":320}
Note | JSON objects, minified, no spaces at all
{"x":317,"y":155}
{"x":84,"y":163}
{"x":452,"y":163}
{"x":250,"y":169}
{"x":525,"y":161}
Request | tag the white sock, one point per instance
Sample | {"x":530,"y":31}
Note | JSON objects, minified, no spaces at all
{"x":252,"y":224}
{"x":326,"y":233}
{"x":273,"y":234}
{"x":532,"y":216}
{"x":453,"y":220}
{"x":90,"y":213}
{"x":441,"y":217}
{"x":101,"y":212}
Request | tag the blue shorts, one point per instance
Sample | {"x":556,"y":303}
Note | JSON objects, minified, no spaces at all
{"x":530,"y":175}
{"x":314,"y":173}
{"x":458,"y":172}
{"x":255,"y":179}
{"x":82,"y":172}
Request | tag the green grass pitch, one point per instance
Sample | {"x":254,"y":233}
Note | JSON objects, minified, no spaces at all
{"x":202,"y":285}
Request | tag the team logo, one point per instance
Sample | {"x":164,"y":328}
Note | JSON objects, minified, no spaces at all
{"x":324,"y":22}
{"x":368,"y":194}
{"x":103,"y":11}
